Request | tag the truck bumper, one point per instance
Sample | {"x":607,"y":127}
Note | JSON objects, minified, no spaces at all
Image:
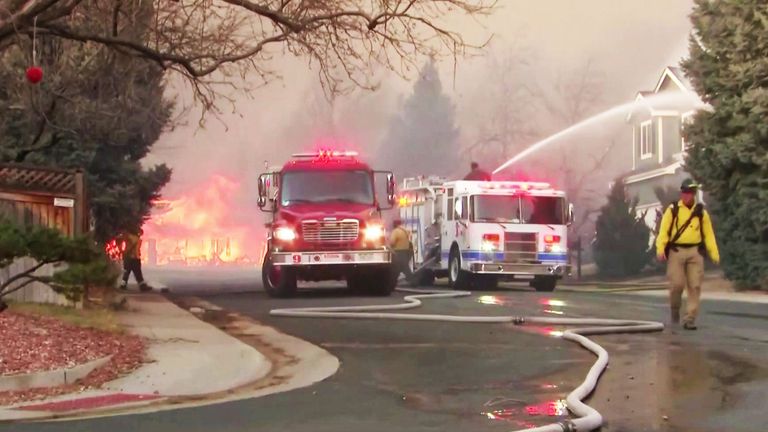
{"x":331,"y":258}
{"x":501,"y":268}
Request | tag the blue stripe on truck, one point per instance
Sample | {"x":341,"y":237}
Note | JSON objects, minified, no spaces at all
{"x":476,"y":255}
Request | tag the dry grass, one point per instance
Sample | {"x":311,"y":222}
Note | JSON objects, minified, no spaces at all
{"x":101,"y":319}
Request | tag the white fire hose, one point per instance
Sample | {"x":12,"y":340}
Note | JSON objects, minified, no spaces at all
{"x":587,"y":417}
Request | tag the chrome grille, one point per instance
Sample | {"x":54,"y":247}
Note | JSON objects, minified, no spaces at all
{"x":346,"y":230}
{"x":520,"y":247}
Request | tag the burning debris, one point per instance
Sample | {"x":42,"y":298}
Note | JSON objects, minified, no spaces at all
{"x":210,"y":225}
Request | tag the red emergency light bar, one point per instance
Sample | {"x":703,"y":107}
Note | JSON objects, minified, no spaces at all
{"x":327,"y":154}
{"x":517,"y":185}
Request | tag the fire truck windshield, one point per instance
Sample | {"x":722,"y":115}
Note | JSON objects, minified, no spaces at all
{"x":517,"y":209}
{"x":326,"y":186}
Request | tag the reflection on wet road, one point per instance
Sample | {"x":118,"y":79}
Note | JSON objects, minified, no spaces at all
{"x":431,"y":376}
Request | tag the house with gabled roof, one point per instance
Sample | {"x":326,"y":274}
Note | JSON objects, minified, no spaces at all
{"x":658,"y":146}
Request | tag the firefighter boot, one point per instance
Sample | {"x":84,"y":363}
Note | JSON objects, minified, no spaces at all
{"x":675,"y":316}
{"x":144,"y":287}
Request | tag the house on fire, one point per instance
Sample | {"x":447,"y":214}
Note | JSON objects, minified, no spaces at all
{"x":658,"y":146}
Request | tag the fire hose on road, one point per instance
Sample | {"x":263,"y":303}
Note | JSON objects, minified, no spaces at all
{"x":587,"y":418}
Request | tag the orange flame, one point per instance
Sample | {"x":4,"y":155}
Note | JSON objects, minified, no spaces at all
{"x":209,"y":225}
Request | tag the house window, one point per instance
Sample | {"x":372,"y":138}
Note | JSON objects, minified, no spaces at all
{"x":646,"y":140}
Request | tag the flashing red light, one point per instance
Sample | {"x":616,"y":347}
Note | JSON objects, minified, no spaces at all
{"x":549,"y":239}
{"x":336,"y":153}
{"x":493,"y":238}
{"x":327,"y":154}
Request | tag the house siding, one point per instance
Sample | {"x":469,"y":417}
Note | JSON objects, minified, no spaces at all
{"x":672,"y":138}
{"x":644,"y":190}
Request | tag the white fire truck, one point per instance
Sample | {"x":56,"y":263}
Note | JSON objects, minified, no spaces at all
{"x":485,"y":231}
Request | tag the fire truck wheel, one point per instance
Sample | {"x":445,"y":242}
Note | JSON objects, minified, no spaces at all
{"x":382,"y":283}
{"x":544,"y":283}
{"x":357,"y":283}
{"x":458,"y":278}
{"x":278,"y":282}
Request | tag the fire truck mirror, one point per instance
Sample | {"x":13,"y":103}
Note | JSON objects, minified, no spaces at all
{"x":391,"y":189}
{"x":571,"y":214}
{"x":262,"y":187}
{"x":391,"y":186}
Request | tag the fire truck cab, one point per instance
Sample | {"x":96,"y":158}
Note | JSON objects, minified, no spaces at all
{"x":484,"y":231}
{"x":325,"y":224}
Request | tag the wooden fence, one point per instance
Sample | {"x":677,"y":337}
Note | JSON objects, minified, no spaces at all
{"x":42,"y":196}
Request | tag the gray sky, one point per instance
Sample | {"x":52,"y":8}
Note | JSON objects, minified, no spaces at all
{"x":630,"y":41}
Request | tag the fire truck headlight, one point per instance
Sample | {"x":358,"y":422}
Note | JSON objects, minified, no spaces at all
{"x":285,"y":234}
{"x":489,"y":246}
{"x":373,"y":232}
{"x":491,"y":242}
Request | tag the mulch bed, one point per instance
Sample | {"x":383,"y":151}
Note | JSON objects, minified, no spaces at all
{"x":33,"y":343}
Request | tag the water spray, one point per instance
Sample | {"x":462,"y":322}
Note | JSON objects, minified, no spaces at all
{"x":587,"y":417}
{"x":623,"y":108}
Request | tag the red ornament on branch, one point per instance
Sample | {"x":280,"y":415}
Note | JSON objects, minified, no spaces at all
{"x":34,"y":74}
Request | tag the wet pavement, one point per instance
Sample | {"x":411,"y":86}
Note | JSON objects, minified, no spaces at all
{"x":428,"y":376}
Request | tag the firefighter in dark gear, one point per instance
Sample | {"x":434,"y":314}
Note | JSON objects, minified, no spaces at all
{"x":132,"y":260}
{"x":477,"y":174}
{"x":685,"y":235}
{"x":432,"y":239}
{"x":402,"y":248}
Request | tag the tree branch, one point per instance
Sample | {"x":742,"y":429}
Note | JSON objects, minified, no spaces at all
{"x":25,"y":274}
{"x":19,"y":287}
{"x":199,"y":37}
{"x":164,"y":58}
{"x":22,"y":154}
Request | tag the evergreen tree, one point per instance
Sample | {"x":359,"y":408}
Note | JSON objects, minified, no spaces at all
{"x":96,"y":109}
{"x":423,"y":139}
{"x":86,"y":265}
{"x":621,"y":239}
{"x":728,"y":153}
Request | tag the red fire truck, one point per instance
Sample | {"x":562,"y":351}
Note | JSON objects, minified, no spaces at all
{"x":325,"y":223}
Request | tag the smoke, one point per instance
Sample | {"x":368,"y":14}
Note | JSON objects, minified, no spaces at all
{"x":536,"y":44}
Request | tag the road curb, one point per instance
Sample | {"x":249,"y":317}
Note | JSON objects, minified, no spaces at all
{"x":295,"y":363}
{"x":662,"y":291}
{"x":572,"y":288}
{"x":51,"y":378}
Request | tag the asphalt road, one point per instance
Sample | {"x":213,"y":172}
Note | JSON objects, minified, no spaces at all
{"x":423,"y":376}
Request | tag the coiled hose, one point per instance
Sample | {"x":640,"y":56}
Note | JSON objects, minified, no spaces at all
{"x":587,"y":418}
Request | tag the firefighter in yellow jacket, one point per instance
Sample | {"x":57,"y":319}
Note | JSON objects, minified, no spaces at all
{"x":400,"y":242}
{"x":132,"y":260}
{"x":685,"y":235}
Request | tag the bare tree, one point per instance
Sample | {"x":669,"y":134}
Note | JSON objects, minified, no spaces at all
{"x":511,"y":95}
{"x":197,"y":38}
{"x":571,"y":97}
{"x":574,"y":94}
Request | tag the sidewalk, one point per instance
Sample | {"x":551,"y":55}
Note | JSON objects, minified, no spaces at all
{"x":713,"y":288}
{"x":186,"y":357}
